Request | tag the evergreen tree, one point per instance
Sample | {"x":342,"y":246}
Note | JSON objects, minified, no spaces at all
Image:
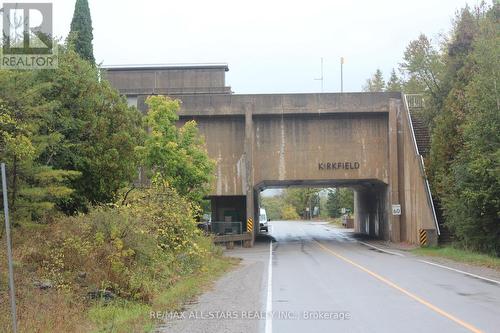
{"x":81,"y":31}
{"x":394,"y":83}
{"x":376,"y":83}
{"x":68,"y":139}
{"x":472,"y":205}
{"x":35,"y":187}
{"x":99,"y":131}
{"x":447,"y":138}
{"x":459,"y":82}
{"x":339,"y":198}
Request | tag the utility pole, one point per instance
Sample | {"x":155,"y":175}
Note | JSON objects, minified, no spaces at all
{"x":12,"y":291}
{"x":341,"y":74}
{"x":321,"y":78}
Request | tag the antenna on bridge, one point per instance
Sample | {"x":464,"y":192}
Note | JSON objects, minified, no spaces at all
{"x":341,"y":74}
{"x":321,"y":78}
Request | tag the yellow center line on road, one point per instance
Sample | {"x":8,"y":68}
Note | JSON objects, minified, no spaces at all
{"x":404,"y":291}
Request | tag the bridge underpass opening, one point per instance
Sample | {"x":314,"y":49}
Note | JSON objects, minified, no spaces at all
{"x":370,"y":205}
{"x":369,"y":208}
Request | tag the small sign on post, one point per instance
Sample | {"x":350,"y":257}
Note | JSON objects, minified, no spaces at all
{"x":396,"y":209}
{"x":422,"y":237}
{"x":250,"y":225}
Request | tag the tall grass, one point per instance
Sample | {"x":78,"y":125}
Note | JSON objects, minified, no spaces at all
{"x":461,"y":255}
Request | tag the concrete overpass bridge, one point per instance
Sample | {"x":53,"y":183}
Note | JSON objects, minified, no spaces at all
{"x":364,"y":141}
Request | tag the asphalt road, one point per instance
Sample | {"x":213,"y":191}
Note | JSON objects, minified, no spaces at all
{"x":316,"y":278}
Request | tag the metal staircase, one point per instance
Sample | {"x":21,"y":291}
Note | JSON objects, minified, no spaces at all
{"x":422,"y":137}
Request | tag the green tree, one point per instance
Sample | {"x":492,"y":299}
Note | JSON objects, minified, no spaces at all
{"x":81,"y":35}
{"x":69,"y":138}
{"x":333,"y":205}
{"x":472,"y":204}
{"x":289,"y":212}
{"x":302,"y":198}
{"x":339,"y":198}
{"x":394,"y":83}
{"x":462,"y":110}
{"x":35,"y":187}
{"x":97,"y":131}
{"x":376,"y":83}
{"x":447,"y":138}
{"x":422,"y":72}
{"x":424,"y":66}
{"x":176,"y":154}
{"x":273,"y":206}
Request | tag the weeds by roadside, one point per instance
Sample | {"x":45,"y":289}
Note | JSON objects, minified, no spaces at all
{"x":104,"y":271}
{"x":469,"y":257}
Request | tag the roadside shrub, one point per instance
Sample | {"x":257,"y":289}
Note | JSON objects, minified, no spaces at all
{"x":289,"y":213}
{"x":131,"y":250}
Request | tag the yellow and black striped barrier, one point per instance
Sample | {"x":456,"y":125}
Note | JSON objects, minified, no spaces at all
{"x":250,"y":225}
{"x":422,"y":237}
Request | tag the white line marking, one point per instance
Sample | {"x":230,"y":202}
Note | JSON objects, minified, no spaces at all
{"x":382,"y":250}
{"x":269,"y":303}
{"x":459,"y":271}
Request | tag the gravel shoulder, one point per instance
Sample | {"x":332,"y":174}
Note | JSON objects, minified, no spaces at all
{"x":228,"y":306}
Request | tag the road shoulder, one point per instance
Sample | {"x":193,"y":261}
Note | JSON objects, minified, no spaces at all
{"x":237,"y":294}
{"x":406,"y":250}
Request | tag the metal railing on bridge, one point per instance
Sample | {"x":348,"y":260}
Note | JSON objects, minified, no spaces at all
{"x":229,"y":233}
{"x":227,"y":228}
{"x":415,"y":101}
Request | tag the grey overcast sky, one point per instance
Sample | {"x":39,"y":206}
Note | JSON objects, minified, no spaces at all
{"x":270,"y":46}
